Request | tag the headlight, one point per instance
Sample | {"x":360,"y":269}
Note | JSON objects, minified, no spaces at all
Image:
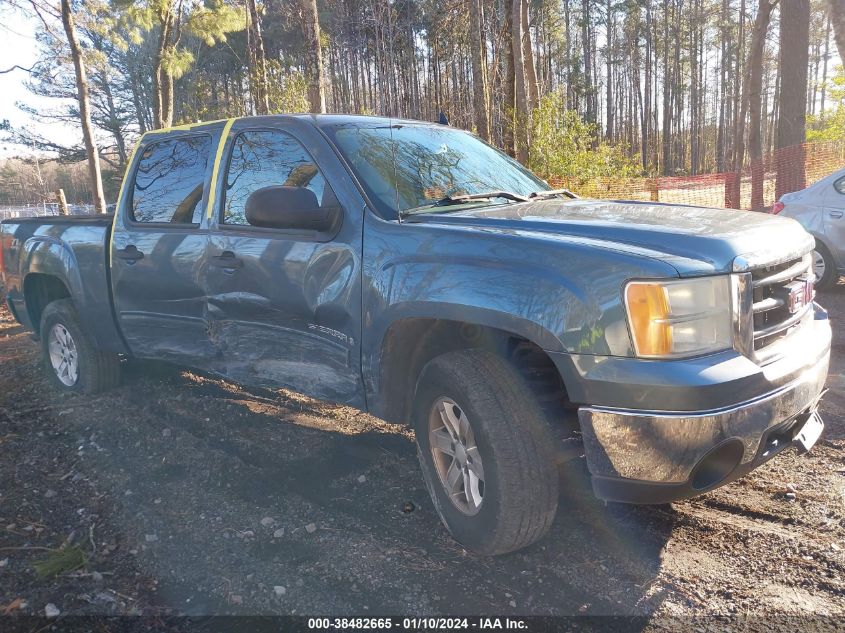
{"x":679,"y":318}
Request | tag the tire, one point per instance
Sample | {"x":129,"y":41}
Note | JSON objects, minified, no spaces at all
{"x":831,"y":275}
{"x":519,"y":495}
{"x":95,"y":370}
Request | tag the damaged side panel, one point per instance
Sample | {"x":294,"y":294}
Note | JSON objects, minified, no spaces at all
{"x":195,"y":283}
{"x":286,"y":316}
{"x":160,"y":301}
{"x":159,"y":247}
{"x":284,"y":304}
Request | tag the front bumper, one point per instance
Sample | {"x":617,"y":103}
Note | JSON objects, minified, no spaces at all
{"x":639,"y":456}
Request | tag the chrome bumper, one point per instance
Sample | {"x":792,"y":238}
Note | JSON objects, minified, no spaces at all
{"x":655,"y":456}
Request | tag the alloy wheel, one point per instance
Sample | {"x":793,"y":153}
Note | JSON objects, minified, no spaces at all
{"x":456,"y":456}
{"x":63,"y":355}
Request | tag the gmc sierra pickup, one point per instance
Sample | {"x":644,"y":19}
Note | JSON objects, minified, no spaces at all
{"x":411,"y":270}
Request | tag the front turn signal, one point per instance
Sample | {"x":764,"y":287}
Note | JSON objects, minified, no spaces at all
{"x":648,"y":312}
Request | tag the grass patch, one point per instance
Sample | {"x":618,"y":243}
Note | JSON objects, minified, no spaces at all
{"x":60,"y":561}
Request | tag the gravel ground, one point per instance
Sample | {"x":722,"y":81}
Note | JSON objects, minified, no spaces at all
{"x":181,"y":494}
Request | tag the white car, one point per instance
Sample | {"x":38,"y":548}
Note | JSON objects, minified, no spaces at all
{"x":820,"y":208}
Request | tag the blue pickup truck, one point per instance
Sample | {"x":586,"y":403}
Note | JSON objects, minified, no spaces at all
{"x":410,"y":270}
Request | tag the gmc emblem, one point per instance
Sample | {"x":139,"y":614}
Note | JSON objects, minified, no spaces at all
{"x":800,"y":294}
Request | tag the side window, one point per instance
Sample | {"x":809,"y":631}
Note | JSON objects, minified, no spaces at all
{"x":839,"y":185}
{"x":266,"y":158}
{"x":169,"y":180}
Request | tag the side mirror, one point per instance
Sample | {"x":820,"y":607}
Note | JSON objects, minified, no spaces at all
{"x":284,"y":207}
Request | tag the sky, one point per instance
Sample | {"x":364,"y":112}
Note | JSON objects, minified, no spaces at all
{"x":18,"y":46}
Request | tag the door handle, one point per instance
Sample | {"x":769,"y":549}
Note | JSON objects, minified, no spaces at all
{"x":835,"y":214}
{"x":131,"y":254}
{"x":227,"y":261}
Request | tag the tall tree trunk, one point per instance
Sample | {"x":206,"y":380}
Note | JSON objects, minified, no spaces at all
{"x":509,"y":107}
{"x":167,"y":99}
{"x":313,"y":56}
{"x":755,"y":100}
{"x":568,"y":34}
{"x":589,"y":93}
{"x":694,"y":87}
{"x":793,"y":60}
{"x":665,"y":139}
{"x":836,"y":9}
{"x":160,"y":96}
{"x":528,"y":60}
{"x":137,"y":102}
{"x":521,"y":115}
{"x":84,"y":109}
{"x":724,"y":65}
{"x":114,"y":122}
{"x":739,"y":74}
{"x":609,"y":64}
{"x":480,"y":104}
{"x":647,"y":96}
{"x":824,"y":67}
{"x":258,"y":74}
{"x":742,"y":112}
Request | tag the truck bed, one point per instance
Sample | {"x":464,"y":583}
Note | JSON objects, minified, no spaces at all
{"x":70,"y":255}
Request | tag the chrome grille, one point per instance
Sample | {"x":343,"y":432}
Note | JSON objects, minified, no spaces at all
{"x":781,"y":299}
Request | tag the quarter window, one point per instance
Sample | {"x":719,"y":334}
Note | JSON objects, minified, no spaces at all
{"x":169,"y":181}
{"x":839,"y":185}
{"x":266,"y":158}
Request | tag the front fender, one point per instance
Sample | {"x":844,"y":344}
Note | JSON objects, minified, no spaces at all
{"x":562,"y":294}
{"x":531,"y":303}
{"x":561,"y":301}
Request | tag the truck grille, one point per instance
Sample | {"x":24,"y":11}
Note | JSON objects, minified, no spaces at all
{"x":782,"y":297}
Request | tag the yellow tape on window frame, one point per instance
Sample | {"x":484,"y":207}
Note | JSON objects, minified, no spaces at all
{"x":212,"y":192}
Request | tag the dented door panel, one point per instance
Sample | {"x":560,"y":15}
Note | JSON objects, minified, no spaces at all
{"x":159,"y":299}
{"x":287,"y":311}
{"x":159,"y":245}
{"x":283,"y":318}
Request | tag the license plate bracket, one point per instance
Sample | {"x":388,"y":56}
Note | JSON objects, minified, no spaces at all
{"x":810,"y":431}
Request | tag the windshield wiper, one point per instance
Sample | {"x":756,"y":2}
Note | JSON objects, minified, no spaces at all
{"x":469,"y":197}
{"x":540,"y":195}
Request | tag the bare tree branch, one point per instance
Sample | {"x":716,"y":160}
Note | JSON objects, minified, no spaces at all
{"x":15,"y":67}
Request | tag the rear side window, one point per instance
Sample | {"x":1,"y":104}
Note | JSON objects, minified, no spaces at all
{"x":839,"y":185}
{"x":169,"y":180}
{"x":264,"y":158}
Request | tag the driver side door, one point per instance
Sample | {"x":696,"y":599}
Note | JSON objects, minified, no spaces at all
{"x":284,"y":305}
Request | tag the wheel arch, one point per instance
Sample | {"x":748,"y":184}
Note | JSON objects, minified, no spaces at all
{"x":823,"y":240}
{"x":39,"y":290}
{"x":408,"y":344}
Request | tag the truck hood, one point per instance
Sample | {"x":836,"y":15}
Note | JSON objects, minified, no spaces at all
{"x":695,"y":240}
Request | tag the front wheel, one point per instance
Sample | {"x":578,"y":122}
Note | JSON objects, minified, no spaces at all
{"x":71,"y":361}
{"x":485,"y":451}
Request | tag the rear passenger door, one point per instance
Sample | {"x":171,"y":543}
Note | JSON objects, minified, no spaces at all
{"x":158,"y":248}
{"x":284,"y":305}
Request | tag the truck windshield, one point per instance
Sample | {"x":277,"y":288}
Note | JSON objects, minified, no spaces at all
{"x":406,"y":167}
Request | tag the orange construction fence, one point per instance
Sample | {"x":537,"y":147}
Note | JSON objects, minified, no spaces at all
{"x":758,"y":186}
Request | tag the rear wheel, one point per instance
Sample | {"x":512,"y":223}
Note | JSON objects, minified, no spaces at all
{"x":824,"y":267}
{"x":485,"y":451}
{"x":71,"y":361}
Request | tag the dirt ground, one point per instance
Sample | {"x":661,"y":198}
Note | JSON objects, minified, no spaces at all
{"x":181,"y":494}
